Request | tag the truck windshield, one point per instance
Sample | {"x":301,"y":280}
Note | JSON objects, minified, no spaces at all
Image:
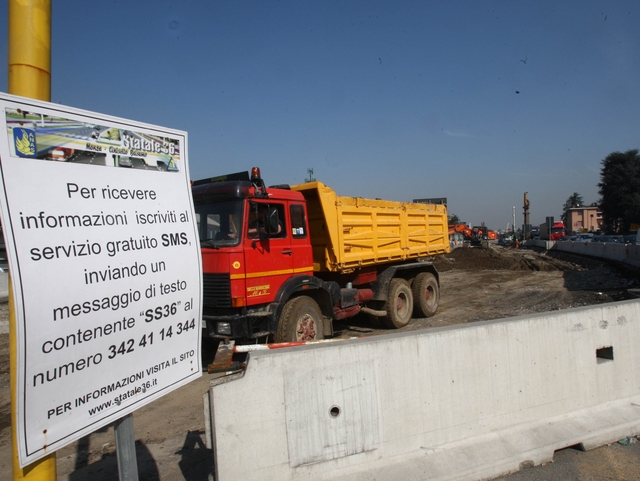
{"x":220,"y":223}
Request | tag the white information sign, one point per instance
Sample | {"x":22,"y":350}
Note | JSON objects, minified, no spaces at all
{"x":105,"y":266}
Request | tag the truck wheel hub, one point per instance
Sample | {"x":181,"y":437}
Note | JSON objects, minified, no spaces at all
{"x":306,"y":328}
{"x":428,"y":297}
{"x":401,"y":305}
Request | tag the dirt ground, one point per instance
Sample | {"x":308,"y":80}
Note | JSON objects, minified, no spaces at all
{"x":480,"y":284}
{"x":476,"y":284}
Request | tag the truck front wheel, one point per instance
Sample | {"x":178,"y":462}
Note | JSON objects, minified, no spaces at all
{"x":300,"y":320}
{"x":399,"y":306}
{"x":426,"y":294}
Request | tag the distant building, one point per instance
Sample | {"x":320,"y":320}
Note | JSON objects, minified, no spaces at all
{"x":583,"y":219}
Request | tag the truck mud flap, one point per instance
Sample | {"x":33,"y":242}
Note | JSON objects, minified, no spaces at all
{"x":223,"y":361}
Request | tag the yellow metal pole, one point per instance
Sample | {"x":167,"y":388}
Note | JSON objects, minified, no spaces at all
{"x":29,"y":76}
{"x":30,"y":48}
{"x":44,"y":469}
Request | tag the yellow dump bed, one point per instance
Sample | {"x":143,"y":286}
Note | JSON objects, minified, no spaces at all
{"x":352,"y":232}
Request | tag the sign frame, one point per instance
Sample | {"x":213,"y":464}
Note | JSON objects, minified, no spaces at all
{"x":106,"y":270}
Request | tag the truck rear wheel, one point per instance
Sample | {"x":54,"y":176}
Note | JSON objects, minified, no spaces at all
{"x":426,"y":295}
{"x":399,"y":306}
{"x":300,"y":320}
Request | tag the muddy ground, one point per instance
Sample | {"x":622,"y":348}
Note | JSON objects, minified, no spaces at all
{"x":476,"y":284}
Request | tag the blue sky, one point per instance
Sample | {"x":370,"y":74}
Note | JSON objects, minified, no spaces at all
{"x":476,"y":101}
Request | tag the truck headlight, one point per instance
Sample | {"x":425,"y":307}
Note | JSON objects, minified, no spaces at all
{"x":224,"y":328}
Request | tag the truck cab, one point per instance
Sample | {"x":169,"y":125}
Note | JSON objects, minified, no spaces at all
{"x":254,"y":240}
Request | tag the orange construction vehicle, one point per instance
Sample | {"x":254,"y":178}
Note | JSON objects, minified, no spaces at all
{"x":464,"y":229}
{"x":483,"y":233}
{"x":476,"y":235}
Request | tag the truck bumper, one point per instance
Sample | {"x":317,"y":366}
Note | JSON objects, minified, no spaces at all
{"x":238,"y":326}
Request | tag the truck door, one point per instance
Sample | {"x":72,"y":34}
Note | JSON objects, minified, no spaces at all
{"x":300,"y":241}
{"x":268,"y":251}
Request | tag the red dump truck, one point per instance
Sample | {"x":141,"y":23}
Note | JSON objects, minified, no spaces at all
{"x":556,"y":232}
{"x":282,"y":263}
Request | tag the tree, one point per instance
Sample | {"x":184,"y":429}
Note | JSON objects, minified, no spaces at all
{"x":454,"y":219}
{"x":620,"y":190}
{"x":574,"y":200}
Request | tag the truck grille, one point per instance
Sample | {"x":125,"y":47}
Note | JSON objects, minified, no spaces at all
{"x":216,"y":290}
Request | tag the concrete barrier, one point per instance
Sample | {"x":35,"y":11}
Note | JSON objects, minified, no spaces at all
{"x":607,"y":250}
{"x":633,"y":255}
{"x":453,"y":403}
{"x":4,"y":285}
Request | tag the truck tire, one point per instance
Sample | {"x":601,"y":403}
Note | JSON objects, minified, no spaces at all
{"x":300,"y":320}
{"x":399,"y":306}
{"x":426,"y":295}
